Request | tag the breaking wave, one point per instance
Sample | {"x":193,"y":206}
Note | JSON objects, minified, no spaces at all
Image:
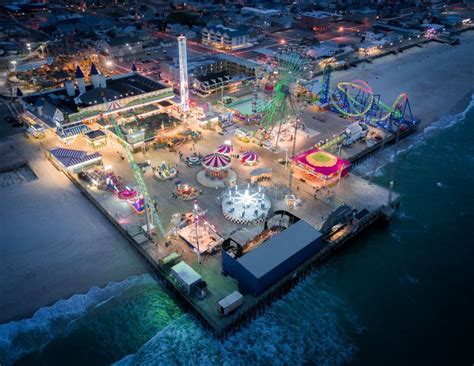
{"x":18,"y":338}
{"x":309,"y":325}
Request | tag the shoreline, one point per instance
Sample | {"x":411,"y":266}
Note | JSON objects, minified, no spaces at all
{"x":386,"y":78}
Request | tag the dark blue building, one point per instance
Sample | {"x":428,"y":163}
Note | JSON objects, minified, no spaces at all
{"x":259,"y":269}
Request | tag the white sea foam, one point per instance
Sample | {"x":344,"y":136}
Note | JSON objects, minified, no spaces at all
{"x":18,"y":338}
{"x":306,"y":326}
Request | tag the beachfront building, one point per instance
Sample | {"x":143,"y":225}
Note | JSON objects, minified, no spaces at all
{"x":224,"y":38}
{"x":208,"y":84}
{"x":231,"y":68}
{"x":68,"y":110}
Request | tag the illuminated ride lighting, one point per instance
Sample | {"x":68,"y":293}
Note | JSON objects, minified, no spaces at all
{"x":245,"y":206}
{"x":355,"y":108}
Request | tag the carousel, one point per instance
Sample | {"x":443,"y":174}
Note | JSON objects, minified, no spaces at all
{"x":165,"y":171}
{"x":247,"y":206}
{"x":225,"y":149}
{"x":249,"y":158}
{"x":217,"y":172}
{"x":186,"y":192}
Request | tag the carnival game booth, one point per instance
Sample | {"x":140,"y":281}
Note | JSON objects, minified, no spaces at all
{"x":96,"y":139}
{"x":319,"y":168}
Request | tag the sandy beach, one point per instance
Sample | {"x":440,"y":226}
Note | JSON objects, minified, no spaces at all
{"x":54,"y":243}
{"x":438,"y":78}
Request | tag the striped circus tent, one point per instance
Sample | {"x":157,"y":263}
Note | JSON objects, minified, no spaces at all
{"x":216,"y":162}
{"x":224,"y":149}
{"x":113,"y":105}
{"x":249,"y":158}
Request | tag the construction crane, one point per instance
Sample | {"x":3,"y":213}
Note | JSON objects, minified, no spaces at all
{"x":151,"y":213}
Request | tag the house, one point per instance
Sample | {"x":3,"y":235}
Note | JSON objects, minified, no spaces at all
{"x":120,"y":46}
{"x":219,"y":63}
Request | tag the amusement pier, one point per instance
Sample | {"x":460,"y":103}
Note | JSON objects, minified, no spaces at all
{"x":232,"y":202}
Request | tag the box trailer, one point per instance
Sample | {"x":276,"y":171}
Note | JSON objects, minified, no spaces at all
{"x":187,"y":277}
{"x":230,"y":303}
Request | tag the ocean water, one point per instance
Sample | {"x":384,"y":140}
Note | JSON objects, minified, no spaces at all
{"x":401,"y":294}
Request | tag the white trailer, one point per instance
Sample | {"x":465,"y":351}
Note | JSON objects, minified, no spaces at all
{"x":354,"y":132}
{"x":230,"y":303}
{"x":187,"y":277}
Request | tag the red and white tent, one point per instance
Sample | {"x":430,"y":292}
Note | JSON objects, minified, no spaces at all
{"x":216,"y":162}
{"x":224,"y":149}
{"x":249,"y":158}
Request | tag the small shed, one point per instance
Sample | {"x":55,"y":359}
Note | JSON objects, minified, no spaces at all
{"x":96,"y":139}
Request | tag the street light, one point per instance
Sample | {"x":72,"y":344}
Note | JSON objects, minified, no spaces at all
{"x":109,"y":63}
{"x":341,"y":29}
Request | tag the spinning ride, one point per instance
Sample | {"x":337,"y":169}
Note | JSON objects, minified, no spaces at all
{"x":216,"y":165}
{"x":165,"y":171}
{"x":193,"y":160}
{"x":245,"y":206}
{"x":186,"y":191}
{"x":125,"y":193}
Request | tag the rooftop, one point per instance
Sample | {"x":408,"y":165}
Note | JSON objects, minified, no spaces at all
{"x":118,"y":87}
{"x":279,"y":248}
{"x":231,"y":32}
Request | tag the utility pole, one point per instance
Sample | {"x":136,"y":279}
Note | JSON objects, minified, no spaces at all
{"x":290,"y":176}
